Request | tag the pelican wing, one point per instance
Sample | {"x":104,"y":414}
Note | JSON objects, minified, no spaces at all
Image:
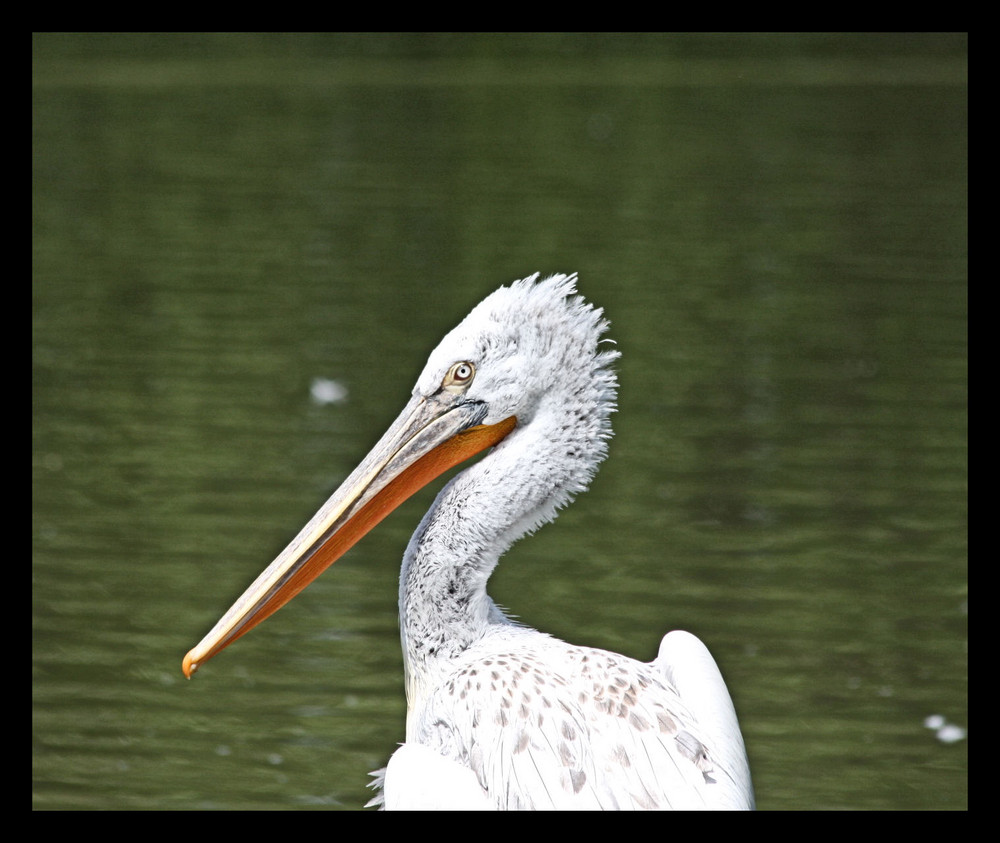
{"x":546,"y":725}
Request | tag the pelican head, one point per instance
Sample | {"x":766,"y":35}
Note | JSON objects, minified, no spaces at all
{"x":523,"y":374}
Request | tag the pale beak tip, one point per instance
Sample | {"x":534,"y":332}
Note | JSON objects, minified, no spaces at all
{"x":190,"y":665}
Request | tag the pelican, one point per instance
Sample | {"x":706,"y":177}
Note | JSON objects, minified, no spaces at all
{"x":498,"y":714}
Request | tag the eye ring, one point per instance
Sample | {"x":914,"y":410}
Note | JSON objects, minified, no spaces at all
{"x":459,"y":376}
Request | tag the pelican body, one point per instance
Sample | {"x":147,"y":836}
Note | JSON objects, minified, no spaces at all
{"x":500,"y":715}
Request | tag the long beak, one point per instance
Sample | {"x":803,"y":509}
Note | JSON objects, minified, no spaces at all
{"x":430,"y":436}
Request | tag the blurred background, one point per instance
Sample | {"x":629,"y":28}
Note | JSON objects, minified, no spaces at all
{"x":243,"y":249}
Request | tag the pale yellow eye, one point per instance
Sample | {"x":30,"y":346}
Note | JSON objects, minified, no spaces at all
{"x":459,"y":376}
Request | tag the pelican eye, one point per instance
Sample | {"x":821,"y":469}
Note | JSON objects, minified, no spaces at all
{"x":459,"y":376}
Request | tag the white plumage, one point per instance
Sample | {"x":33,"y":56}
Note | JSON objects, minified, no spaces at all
{"x":500,"y":715}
